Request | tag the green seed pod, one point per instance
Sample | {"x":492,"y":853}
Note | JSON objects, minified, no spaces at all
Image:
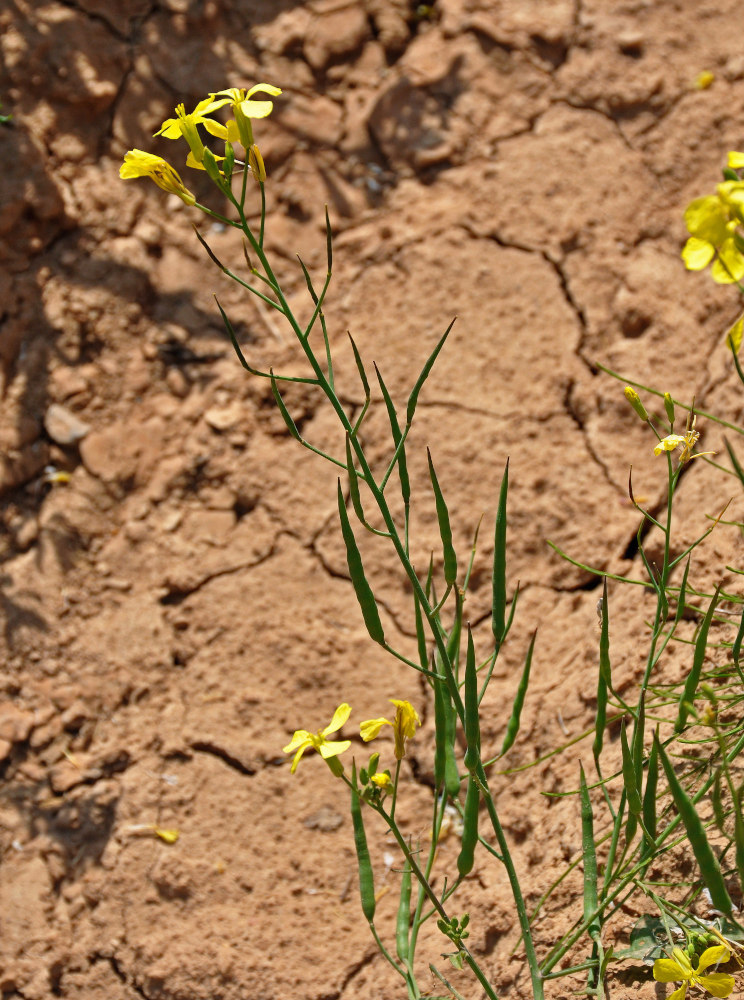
{"x":466,"y":856}
{"x":445,"y":722}
{"x":403,"y":922}
{"x":472,"y":717}
{"x":366,"y":878}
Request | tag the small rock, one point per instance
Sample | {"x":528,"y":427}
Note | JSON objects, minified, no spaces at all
{"x":222,"y":418}
{"x":15,"y":723}
{"x":734,"y":68}
{"x":332,"y":36}
{"x":631,"y":42}
{"x":63,"y":427}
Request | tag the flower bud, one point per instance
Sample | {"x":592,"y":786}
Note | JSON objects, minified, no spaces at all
{"x":256,"y":163}
{"x":669,"y":407}
{"x":635,"y":401}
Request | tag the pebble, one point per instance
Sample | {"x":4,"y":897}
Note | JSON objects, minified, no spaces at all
{"x":222,"y":418}
{"x":63,"y":426}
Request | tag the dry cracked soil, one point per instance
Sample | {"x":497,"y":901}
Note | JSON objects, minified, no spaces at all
{"x":172,"y":612}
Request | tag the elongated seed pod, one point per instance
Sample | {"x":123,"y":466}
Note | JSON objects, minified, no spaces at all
{"x":629,"y":776}
{"x":589,"y":851}
{"x":466,"y":856}
{"x":366,"y":878}
{"x":445,"y":723}
{"x":472,"y":718}
{"x":403,"y":922}
{"x":512,"y":726}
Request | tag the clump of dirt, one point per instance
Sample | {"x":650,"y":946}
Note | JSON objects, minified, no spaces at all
{"x":173,"y":592}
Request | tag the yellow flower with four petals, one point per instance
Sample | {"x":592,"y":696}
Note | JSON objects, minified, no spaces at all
{"x":328,"y":749}
{"x":679,"y":966}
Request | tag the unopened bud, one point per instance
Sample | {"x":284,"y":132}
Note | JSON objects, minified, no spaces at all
{"x":256,"y":163}
{"x":669,"y":407}
{"x":635,"y":401}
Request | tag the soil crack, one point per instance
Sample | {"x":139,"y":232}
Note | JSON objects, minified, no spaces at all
{"x":206,"y":746}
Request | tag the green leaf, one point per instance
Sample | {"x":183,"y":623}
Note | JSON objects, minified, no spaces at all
{"x":706,"y":859}
{"x":356,"y":571}
{"x":512,"y":727}
{"x":693,"y":678}
{"x":405,"y":485}
{"x":286,"y":416}
{"x":498,"y":600}
{"x":413,"y":398}
{"x":445,"y":531}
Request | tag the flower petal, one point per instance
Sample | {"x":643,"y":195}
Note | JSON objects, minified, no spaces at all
{"x":719,"y":984}
{"x":333,"y":749}
{"x":265,"y":88}
{"x":669,"y":443}
{"x":707,"y":218}
{"x":256,"y":109}
{"x":712,"y":956}
{"x":697,"y":254}
{"x":340,"y":716}
{"x":680,"y":993}
{"x":370,"y":729}
{"x":729,"y":266}
{"x":301,"y":736}
{"x":735,"y":160}
{"x":666,"y":970}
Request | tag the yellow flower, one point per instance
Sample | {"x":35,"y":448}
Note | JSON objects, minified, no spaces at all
{"x":382,"y":779}
{"x":668,"y":970}
{"x":137,"y":163}
{"x":303,"y":740}
{"x":404,"y":726}
{"x":186,"y":126}
{"x":244,"y":108}
{"x":688,"y":440}
{"x":712,"y":222}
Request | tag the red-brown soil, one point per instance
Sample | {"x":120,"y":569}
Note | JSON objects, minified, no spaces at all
{"x":173,"y":612}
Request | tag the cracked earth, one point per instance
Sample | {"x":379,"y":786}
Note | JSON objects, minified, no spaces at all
{"x":173,"y":612}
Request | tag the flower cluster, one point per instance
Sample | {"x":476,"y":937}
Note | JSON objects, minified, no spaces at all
{"x":404,"y":727}
{"x":238,"y":129}
{"x":714,"y":224}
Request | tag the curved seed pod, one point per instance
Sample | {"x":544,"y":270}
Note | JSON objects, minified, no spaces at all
{"x":466,"y":856}
{"x":403,"y":922}
{"x":366,"y":878}
{"x":356,"y":571}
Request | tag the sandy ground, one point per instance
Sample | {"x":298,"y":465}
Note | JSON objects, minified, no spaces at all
{"x":177,"y":609}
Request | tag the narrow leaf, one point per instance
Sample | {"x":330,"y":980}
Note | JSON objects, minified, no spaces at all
{"x":512,"y":727}
{"x":693,"y":678}
{"x":286,"y":416}
{"x":356,"y":571}
{"x":445,"y":531}
{"x":413,"y":398}
{"x":706,"y":859}
{"x":498,"y":601}
{"x":405,"y":485}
